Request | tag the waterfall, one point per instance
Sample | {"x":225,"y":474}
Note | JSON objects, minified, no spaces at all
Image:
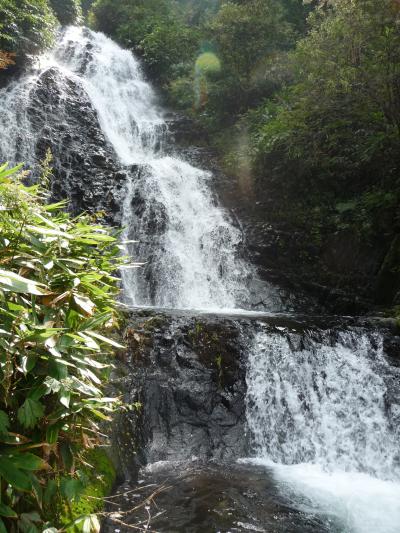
{"x":187,"y":242}
{"x":317,"y":404}
{"x":320,"y":418}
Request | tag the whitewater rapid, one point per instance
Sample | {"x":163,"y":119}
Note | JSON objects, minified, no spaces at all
{"x":319,"y":421}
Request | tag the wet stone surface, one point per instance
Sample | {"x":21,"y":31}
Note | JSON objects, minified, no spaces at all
{"x":198,"y":498}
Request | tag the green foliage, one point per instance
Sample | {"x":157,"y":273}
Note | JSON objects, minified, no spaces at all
{"x":86,"y":5}
{"x":57,"y":312}
{"x":237,"y":40}
{"x":337,"y":126}
{"x":347,"y":72}
{"x":26,"y":26}
{"x":150,"y":28}
{"x":97,"y":477}
{"x":67,"y":11}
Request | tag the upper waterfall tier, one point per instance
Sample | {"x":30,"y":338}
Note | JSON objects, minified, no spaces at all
{"x":192,"y":252}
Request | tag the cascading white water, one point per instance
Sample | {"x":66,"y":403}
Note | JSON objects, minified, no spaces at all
{"x":317,"y":414}
{"x":187,"y":242}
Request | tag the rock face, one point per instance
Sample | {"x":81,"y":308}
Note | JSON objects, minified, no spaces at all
{"x":186,"y":377}
{"x":86,"y":170}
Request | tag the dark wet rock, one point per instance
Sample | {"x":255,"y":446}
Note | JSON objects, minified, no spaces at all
{"x":184,"y":131}
{"x":188,"y":376}
{"x":86,"y":170}
{"x":198,"y":498}
{"x":392,"y":348}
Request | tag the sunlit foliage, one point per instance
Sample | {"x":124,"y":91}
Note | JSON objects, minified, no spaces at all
{"x":26,"y":26}
{"x":57,"y":315}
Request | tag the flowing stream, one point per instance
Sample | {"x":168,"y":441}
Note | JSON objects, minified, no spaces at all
{"x":317,"y":411}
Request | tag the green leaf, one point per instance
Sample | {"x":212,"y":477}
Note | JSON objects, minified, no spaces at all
{"x":4,"y":423}
{"x":7,"y":511}
{"x":30,"y":412}
{"x":71,"y":488}
{"x":31,"y":517}
{"x":52,"y":433}
{"x":27,"y":527}
{"x":52,"y":384}
{"x":15,"y":283}
{"x":36,"y":487}
{"x":28,"y":363}
{"x":37,"y":392}
{"x":96,"y":321}
{"x":26,"y":524}
{"x":50,"y":491}
{"x":27,"y":461}
{"x":50,"y":232}
{"x":57,"y":370}
{"x":2,"y":527}
{"x":65,"y":398}
{"x":99,"y":414}
{"x":104,"y":339}
{"x":67,"y":456}
{"x":13,"y":476}
{"x":4,"y":172}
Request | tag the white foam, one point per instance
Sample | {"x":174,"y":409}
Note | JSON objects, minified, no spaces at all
{"x":354,"y":502}
{"x":316,"y":409}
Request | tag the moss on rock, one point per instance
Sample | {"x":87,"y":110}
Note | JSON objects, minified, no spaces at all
{"x":100,"y":477}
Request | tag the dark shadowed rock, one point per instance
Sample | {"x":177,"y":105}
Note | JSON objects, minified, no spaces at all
{"x":86,"y":170}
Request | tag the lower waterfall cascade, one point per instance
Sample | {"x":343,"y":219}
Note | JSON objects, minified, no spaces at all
{"x":318,"y":413}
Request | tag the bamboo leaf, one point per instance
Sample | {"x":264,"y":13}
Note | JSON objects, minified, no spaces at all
{"x":15,"y":283}
{"x":4,"y":423}
{"x":14,"y":476}
{"x":28,"y":461}
{"x":104,"y":339}
{"x":7,"y":512}
{"x":84,"y":304}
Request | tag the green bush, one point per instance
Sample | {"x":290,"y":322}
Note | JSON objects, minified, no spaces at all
{"x":57,"y":314}
{"x":151,"y":29}
{"x":98,"y":476}
{"x":26,"y":26}
{"x":67,"y":11}
{"x":339,"y":121}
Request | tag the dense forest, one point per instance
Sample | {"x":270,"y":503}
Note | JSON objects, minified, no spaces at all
{"x":299,"y":103}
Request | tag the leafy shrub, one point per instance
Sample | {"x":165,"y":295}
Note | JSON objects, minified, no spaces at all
{"x":57,"y":312}
{"x":67,"y":11}
{"x":151,"y":29}
{"x":342,"y":112}
{"x":26,"y":26}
